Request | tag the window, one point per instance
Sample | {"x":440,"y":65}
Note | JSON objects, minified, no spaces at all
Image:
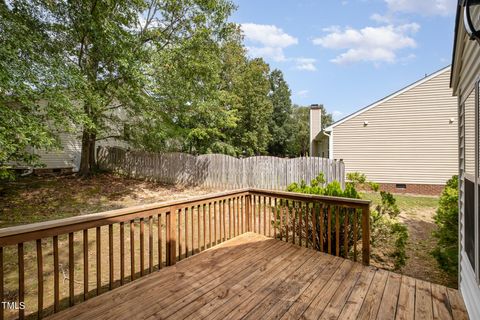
{"x":401,"y":186}
{"x":469,"y":162}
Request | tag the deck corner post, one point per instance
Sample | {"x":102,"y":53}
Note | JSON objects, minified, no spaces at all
{"x":366,"y":235}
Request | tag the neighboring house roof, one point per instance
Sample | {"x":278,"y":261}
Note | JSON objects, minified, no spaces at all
{"x":393,"y":95}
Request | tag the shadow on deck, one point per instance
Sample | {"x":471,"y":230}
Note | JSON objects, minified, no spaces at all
{"x":255,"y":277}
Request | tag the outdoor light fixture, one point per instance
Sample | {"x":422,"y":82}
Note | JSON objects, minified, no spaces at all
{"x":471,"y":19}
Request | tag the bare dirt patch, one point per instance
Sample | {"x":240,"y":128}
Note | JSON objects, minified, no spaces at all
{"x":35,"y":199}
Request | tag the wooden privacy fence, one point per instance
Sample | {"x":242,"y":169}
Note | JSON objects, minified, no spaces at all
{"x":219,"y":170}
{"x":53,"y":265}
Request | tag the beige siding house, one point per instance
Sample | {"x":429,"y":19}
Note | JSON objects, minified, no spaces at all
{"x":465,"y":82}
{"x":406,"y":141}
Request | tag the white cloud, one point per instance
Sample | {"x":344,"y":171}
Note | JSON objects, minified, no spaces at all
{"x":302,"y":93}
{"x":305,"y":64}
{"x":267,"y":40}
{"x":423,"y":7}
{"x":381,"y":18}
{"x":373,"y":44}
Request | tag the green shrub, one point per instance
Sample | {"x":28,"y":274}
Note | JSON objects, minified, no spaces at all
{"x":386,"y":231}
{"x":446,"y":219}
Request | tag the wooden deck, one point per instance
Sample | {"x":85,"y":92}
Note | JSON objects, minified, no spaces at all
{"x":255,"y":277}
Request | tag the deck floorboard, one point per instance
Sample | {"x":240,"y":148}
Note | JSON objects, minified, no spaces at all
{"x":254,"y":277}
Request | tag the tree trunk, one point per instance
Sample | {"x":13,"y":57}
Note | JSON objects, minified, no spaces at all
{"x":87,"y":159}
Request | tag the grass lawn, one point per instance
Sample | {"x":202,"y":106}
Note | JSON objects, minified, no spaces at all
{"x":417,"y":213}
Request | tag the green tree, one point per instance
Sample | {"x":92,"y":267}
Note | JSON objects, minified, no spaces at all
{"x":253,"y":107}
{"x":299,"y":142}
{"x":106,"y":51}
{"x":280,"y":127}
{"x":32,"y":85}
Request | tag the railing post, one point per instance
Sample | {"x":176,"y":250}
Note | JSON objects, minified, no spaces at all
{"x":366,"y":235}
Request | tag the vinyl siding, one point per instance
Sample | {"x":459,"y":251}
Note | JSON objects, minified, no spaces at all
{"x":68,"y":156}
{"x":466,"y":72}
{"x":408,"y":139}
{"x":64,"y":157}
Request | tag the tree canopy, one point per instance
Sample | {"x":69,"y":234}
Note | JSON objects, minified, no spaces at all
{"x":165,"y":75}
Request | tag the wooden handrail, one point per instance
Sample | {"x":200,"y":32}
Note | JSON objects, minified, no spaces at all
{"x":178,"y":229}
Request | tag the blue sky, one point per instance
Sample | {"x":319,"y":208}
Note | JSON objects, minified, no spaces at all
{"x":348,"y":54}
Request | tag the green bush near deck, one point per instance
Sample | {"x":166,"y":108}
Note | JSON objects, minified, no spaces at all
{"x":446,"y":219}
{"x":385,"y":227}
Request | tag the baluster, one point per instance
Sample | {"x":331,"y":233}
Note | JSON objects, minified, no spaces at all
{"x":204,"y":213}
{"x":21,"y":280}
{"x":85,"y":264}
{"x":71,"y":270}
{"x":294,"y":229}
{"x":224,"y":214}
{"x":307,"y":206}
{"x":321,"y":217}
{"x":229,"y":218}
{"x":242,"y":214}
{"x":199,"y":239}
{"x":179,"y":223}
{"x":337,"y":231}
{"x":300,"y":221}
{"x":314,"y":228}
{"x":355,"y":234}
{"x":287,"y":218}
{"x":150,"y":244}
{"x":56,"y":280}
{"x":329,"y":229}
{"x":345,"y":232}
{"x":159,"y":239}
{"x":264,"y":216}
{"x":39,"y":278}
{"x":192,"y":234}
{"x":99,"y":260}
{"x":210,"y":224}
{"x":142,"y":247}
{"x":215,"y":221}
{"x":110,"y":257}
{"x":366,"y":235}
{"x":186,"y":232}
{"x":122,"y":253}
{"x":168,"y":239}
{"x":281,"y":211}
{"x":274,"y":209}
{"x":259,"y":211}
{"x":270,"y":217}
{"x":132,"y":249}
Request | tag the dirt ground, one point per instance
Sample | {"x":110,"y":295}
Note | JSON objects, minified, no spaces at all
{"x":35,"y":199}
{"x":420,"y":263}
{"x":417,"y":213}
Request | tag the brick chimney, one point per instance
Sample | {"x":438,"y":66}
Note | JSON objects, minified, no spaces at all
{"x":315,"y":128}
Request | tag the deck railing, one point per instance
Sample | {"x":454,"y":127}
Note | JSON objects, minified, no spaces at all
{"x":71,"y":260}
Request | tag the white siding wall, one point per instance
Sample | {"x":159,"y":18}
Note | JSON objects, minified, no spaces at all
{"x":409,"y":138}
{"x":466,"y":72}
{"x":68,"y":156}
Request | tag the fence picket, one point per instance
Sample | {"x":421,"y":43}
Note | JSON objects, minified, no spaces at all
{"x":218,"y":170}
